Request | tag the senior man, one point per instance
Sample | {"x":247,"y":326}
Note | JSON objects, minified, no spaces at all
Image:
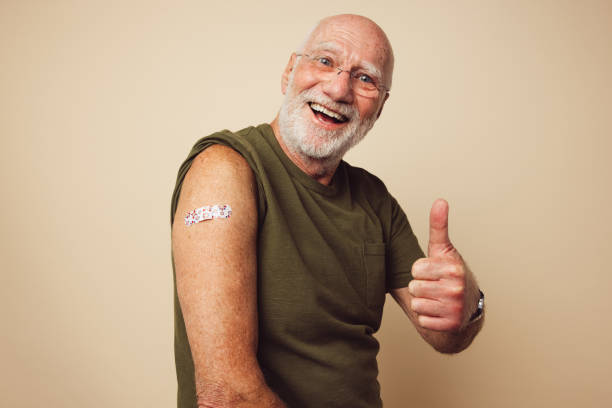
{"x":276,"y":306}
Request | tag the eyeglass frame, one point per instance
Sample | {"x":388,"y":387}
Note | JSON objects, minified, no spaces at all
{"x":340,"y":70}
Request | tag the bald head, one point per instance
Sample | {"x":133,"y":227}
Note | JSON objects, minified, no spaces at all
{"x":359,"y":33}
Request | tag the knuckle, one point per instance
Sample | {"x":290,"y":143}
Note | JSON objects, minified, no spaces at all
{"x":457,"y":291}
{"x":421,"y":262}
{"x":456,"y":271}
{"x":420,"y":265}
{"x":415,"y":304}
{"x":412,"y":286}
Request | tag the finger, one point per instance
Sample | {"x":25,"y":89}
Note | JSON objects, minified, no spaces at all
{"x":438,"y":323}
{"x":427,"y":307}
{"x":439,"y":241}
{"x":427,"y":289}
{"x":438,"y":223}
{"x":436,"y":269}
{"x":430,"y":269}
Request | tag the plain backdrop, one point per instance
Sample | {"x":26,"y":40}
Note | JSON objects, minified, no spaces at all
{"x":502,"y":107}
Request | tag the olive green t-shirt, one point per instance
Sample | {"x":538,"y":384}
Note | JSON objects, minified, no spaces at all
{"x":326,"y":256}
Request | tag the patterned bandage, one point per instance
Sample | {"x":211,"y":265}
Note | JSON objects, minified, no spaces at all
{"x":208,"y":213}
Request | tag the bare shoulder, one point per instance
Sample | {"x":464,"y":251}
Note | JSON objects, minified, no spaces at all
{"x":220,"y":166}
{"x":221,"y":158}
{"x":218,"y":176}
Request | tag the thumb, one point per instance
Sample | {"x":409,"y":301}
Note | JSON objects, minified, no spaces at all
{"x":439,"y":242}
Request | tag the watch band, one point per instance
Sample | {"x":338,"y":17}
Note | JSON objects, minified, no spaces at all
{"x":479,"y":309}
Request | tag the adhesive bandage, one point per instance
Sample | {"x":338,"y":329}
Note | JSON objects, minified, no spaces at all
{"x":208,"y":213}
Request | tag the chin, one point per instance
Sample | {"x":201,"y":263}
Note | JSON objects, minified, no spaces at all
{"x":304,"y":137}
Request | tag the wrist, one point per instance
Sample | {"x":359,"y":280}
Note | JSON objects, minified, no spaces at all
{"x":478,"y":313}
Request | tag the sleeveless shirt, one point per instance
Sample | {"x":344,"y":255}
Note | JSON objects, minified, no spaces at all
{"x":326,"y":256}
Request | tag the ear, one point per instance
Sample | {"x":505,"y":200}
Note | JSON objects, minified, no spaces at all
{"x":287,"y":72}
{"x":383,"y":104}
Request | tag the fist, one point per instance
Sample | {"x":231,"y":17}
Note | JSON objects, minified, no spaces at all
{"x":444,"y":292}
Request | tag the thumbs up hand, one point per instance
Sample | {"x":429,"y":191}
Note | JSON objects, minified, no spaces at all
{"x":444,"y":291}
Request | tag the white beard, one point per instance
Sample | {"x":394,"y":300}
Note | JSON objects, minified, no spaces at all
{"x":303,"y":137}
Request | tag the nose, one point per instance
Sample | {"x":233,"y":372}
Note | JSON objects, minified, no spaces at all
{"x":338,"y":86}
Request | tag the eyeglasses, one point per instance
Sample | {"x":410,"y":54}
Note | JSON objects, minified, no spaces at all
{"x":363,"y":83}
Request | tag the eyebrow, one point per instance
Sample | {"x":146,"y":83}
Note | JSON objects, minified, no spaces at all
{"x":335,"y":48}
{"x":368,"y":66}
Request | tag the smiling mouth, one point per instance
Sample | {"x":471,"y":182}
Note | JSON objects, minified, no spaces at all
{"x":327,"y":115}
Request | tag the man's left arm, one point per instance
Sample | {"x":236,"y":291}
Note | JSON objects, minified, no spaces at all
{"x":443,"y":295}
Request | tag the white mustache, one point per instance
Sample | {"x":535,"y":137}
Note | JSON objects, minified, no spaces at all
{"x":312,"y":95}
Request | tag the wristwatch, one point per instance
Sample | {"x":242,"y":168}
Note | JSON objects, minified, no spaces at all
{"x":478,"y":313}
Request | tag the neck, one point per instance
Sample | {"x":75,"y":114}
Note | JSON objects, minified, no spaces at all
{"x":321,"y":170}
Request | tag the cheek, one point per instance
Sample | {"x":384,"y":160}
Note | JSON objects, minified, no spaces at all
{"x":367,"y":108}
{"x":303,"y":80}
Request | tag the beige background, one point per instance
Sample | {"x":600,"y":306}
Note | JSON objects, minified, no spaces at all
{"x":502,"y":107}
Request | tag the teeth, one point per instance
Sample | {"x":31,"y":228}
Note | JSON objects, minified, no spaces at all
{"x":323,"y":109}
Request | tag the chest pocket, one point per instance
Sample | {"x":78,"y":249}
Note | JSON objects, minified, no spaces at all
{"x":374,"y":264}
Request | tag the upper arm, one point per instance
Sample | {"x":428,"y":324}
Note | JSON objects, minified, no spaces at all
{"x":216,"y":271}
